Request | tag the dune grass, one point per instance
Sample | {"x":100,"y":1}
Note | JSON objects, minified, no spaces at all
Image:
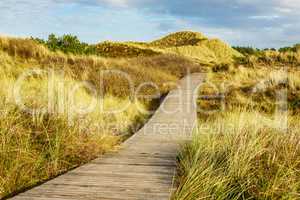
{"x":40,"y":145}
{"x":125,"y":50}
{"x":36,"y":146}
{"x":192,"y":45}
{"x":240,"y":155}
{"x":26,"y":53}
{"x":251,"y":87}
{"x":198,"y":47}
{"x":271,"y":58}
{"x":245,"y":158}
{"x":183,"y":38}
{"x":240,"y":150}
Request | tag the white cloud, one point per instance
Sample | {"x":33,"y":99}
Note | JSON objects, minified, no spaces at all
{"x":284,"y":10}
{"x":292,"y":4}
{"x":266,"y":17}
{"x":118,"y":3}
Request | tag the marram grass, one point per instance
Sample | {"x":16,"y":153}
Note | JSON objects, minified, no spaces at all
{"x":240,"y":155}
{"x":39,"y":146}
{"x":34,"y":148}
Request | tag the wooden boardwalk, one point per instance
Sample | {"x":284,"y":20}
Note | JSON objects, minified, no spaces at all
{"x":145,"y":166}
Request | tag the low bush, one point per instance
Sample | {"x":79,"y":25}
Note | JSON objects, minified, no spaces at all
{"x":67,"y":44}
{"x":221,"y":67}
{"x":247,"y":50}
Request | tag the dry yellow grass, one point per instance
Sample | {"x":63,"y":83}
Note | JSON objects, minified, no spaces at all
{"x":272,"y":58}
{"x":198,"y":47}
{"x":35,"y":147}
{"x":241,"y":149}
{"x":186,"y":43}
{"x":184,"y":38}
{"x":40,"y":145}
{"x":240,"y":155}
{"x":89,"y":67}
{"x":252,"y":87}
{"x":125,"y":50}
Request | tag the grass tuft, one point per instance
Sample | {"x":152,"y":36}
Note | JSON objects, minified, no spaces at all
{"x":239,"y":155}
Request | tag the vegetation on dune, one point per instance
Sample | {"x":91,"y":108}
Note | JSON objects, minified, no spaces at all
{"x":283,"y":56}
{"x":185,"y":38}
{"x":23,"y":48}
{"x":198,"y":47}
{"x":200,"y":53}
{"x":252,"y":88}
{"x":245,"y":159}
{"x":247,"y":50}
{"x":67,"y":44}
{"x":294,"y":48}
{"x":241,"y":149}
{"x":118,"y":49}
{"x":255,"y":51}
{"x":88,"y":68}
{"x":271,"y":58}
{"x":40,"y":145}
{"x":238,"y":155}
{"x":222,"y":51}
{"x":186,"y":43}
{"x":72,"y":45}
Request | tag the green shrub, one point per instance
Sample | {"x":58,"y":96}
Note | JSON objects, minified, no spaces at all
{"x":247,"y":50}
{"x":68,"y":44}
{"x":221,"y":67}
{"x":294,"y":48}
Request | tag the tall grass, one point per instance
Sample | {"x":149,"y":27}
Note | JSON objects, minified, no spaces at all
{"x":206,"y":51}
{"x":127,"y":50}
{"x":271,"y":57}
{"x":239,"y":150}
{"x":184,"y":38}
{"x":39,"y":145}
{"x":251,"y":87}
{"x":140,"y":70}
{"x":239,"y":155}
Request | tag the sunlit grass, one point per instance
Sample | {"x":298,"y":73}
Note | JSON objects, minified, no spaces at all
{"x":39,"y":145}
{"x":241,"y":149}
{"x":35,"y":147}
{"x":241,"y":155}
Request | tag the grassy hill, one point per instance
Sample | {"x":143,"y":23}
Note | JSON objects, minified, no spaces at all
{"x":192,"y":45}
{"x":186,"y":38}
{"x":125,"y":50}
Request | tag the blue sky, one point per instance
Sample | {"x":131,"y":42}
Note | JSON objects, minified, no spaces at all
{"x":268,"y":23}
